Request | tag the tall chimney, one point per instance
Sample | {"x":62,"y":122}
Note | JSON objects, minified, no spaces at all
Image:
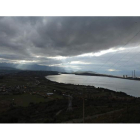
{"x":134,"y":73}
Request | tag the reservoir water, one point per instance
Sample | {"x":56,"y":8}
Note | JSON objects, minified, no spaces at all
{"x":130,"y":87}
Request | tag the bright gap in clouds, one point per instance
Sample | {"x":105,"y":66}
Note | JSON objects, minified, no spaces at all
{"x":113,"y":70}
{"x":66,"y":66}
{"x":75,"y":62}
{"x":78,"y":62}
{"x":101,"y":52}
{"x":83,"y":55}
{"x":58,"y":57}
{"x":24,"y":61}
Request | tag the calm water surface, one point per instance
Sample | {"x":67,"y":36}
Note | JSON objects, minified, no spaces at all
{"x":131,"y":87}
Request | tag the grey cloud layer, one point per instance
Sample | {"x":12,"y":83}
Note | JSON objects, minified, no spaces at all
{"x":66,"y":36}
{"x":24,"y":38}
{"x":69,"y":36}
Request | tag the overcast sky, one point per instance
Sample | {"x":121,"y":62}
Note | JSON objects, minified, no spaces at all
{"x":100,"y":44}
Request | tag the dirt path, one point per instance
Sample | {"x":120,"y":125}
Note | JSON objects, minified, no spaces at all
{"x":94,"y":116}
{"x":58,"y":112}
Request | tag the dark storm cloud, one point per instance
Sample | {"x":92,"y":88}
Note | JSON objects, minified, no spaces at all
{"x":68,"y":36}
{"x":26,"y":38}
{"x":65,"y":36}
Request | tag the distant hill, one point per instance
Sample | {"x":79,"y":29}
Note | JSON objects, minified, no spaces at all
{"x":83,"y":72}
{"x":7,"y":68}
{"x":35,"y":67}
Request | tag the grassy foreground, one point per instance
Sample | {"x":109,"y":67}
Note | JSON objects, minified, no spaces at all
{"x":24,"y":99}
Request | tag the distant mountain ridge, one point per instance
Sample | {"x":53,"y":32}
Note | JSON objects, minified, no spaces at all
{"x":7,"y":68}
{"x":11,"y":66}
{"x":82,"y":72}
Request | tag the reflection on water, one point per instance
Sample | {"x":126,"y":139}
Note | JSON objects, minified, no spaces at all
{"x":130,"y":87}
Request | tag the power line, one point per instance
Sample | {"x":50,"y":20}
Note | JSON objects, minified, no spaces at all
{"x":123,"y":46}
{"x":123,"y":56}
{"x":113,"y":54}
{"x":130,"y":59}
{"x":127,"y":52}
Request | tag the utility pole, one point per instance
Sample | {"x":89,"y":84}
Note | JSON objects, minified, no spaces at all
{"x":69,"y":103}
{"x":83,"y":107}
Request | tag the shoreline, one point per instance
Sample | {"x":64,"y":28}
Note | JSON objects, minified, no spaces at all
{"x":110,"y":76}
{"x":90,"y":86}
{"x":36,"y":106}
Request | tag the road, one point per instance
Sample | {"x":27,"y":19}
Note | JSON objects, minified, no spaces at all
{"x":94,"y":116}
